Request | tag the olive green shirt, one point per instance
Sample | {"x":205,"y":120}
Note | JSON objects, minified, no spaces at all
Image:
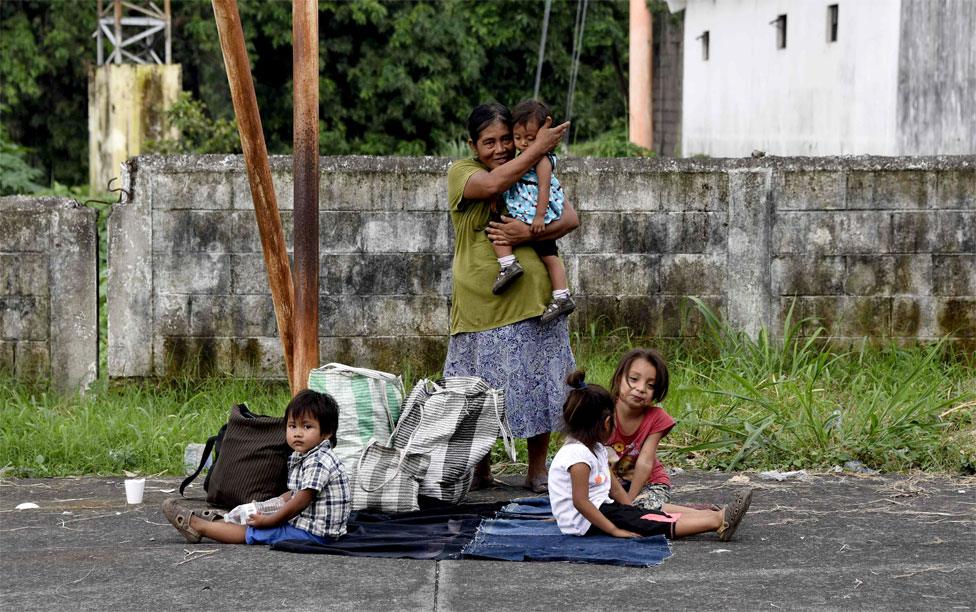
{"x":473,"y":306}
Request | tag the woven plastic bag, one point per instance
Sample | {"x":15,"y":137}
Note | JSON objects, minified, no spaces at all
{"x":455,"y":421}
{"x":369,"y":404}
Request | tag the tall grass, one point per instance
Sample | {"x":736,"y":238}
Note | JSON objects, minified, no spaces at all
{"x":741,"y":403}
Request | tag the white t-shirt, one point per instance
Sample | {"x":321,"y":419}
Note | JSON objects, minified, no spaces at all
{"x":568,"y":518}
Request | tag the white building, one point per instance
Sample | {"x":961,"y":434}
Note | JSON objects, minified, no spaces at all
{"x":828,"y":77}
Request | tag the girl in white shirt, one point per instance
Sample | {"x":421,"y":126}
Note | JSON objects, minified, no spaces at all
{"x":583,"y":491}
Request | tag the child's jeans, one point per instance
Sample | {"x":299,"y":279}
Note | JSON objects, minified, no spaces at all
{"x":273,"y":535}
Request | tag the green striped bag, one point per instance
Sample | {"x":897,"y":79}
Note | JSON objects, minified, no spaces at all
{"x":369,"y":406}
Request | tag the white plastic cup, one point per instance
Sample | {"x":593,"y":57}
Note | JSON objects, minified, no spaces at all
{"x":133,"y":490}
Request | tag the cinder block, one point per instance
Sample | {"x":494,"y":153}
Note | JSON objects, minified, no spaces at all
{"x":805,"y":275}
{"x":405,"y":232}
{"x":175,"y":356}
{"x":284,"y":190}
{"x":25,"y":318}
{"x":232,"y":316}
{"x":22,"y":231}
{"x":398,"y":274}
{"x":956,"y":189}
{"x":692,"y":191}
{"x":680,"y":318}
{"x":956,"y":233}
{"x":406,"y":316}
{"x":192,"y":190}
{"x":956,"y":316}
{"x":196,"y":273}
{"x":171,"y":314}
{"x":249,"y":274}
{"x":192,"y":231}
{"x":954,"y":275}
{"x":831,"y":233}
{"x":23,"y":274}
{"x":7,"y":350}
{"x":839,"y":316}
{"x":32,"y":361}
{"x":343,"y":232}
{"x":693,"y":274}
{"x":604,"y":232}
{"x":914,"y":232}
{"x":342,"y":315}
{"x":812,"y":190}
{"x":697,"y":232}
{"x":887,"y":189}
{"x":618,"y":275}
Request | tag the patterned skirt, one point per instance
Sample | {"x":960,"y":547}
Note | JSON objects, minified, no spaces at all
{"x":530,"y":361}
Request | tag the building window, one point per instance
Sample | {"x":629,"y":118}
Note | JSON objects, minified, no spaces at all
{"x":704,"y":45}
{"x":832,"y":13}
{"x":780,"y":23}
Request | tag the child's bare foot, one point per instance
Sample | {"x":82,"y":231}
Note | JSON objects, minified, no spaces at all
{"x":733,"y":514}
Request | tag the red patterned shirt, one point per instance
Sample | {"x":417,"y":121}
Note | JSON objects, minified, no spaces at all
{"x":623,"y":450}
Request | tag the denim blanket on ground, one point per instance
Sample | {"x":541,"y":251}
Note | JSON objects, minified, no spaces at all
{"x":524,"y":531}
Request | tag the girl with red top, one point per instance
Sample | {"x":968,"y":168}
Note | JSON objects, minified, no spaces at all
{"x":640,"y":382}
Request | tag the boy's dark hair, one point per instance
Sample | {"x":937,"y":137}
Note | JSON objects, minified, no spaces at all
{"x":528,"y":110}
{"x":320,"y":406}
{"x":586,"y":410}
{"x":655,"y":359}
{"x":484,"y":115}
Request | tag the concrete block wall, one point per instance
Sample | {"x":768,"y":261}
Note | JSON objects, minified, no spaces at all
{"x":879,"y":247}
{"x":48,"y":291}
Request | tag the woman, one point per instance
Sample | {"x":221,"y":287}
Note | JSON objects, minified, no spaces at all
{"x":499,"y":337}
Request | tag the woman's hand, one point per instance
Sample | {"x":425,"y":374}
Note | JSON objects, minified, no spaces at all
{"x":509,"y":232}
{"x":548,"y":137}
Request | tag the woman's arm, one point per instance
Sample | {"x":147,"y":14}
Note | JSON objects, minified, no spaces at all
{"x":512,"y":232}
{"x":579,"y":475}
{"x":292,"y":508}
{"x":644,"y":465}
{"x":487,"y":184}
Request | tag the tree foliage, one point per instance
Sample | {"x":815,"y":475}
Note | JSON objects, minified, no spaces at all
{"x":396,"y":77}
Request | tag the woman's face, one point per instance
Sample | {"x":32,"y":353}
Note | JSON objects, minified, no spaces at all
{"x":495,"y":145}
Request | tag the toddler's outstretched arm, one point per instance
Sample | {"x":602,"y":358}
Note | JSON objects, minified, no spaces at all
{"x":579,"y":475}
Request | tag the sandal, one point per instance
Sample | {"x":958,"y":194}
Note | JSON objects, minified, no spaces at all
{"x":210,"y":514}
{"x":538,"y":484}
{"x":733,"y":514}
{"x":179,"y":516}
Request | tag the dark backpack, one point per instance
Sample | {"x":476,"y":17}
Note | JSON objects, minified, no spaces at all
{"x":250,"y":461}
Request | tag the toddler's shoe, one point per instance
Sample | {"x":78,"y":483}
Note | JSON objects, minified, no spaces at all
{"x":558,"y":307}
{"x":507,"y":276}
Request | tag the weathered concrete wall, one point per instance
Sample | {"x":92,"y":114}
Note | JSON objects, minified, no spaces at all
{"x":937,"y":77}
{"x":126,"y":108}
{"x":878,"y":247}
{"x":48,"y":291}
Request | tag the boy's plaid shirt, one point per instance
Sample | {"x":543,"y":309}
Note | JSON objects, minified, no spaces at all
{"x":320,"y":470}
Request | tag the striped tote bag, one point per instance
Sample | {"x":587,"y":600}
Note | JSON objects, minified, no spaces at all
{"x":455,"y":421}
{"x":388,"y":479}
{"x":369,"y":404}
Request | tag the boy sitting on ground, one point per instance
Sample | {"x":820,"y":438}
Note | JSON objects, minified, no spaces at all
{"x":317,"y":504}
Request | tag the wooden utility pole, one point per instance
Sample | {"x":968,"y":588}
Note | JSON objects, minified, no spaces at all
{"x":305,"y":157}
{"x":641,"y":131}
{"x":258,"y":174}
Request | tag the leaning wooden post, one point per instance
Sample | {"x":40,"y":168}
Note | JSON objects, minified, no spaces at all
{"x":305,"y":56}
{"x":258,"y":173}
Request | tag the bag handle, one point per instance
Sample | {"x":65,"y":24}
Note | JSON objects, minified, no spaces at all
{"x":211,"y":441}
{"x":374,"y":374}
{"x":506,"y":435}
{"x":403,"y":453}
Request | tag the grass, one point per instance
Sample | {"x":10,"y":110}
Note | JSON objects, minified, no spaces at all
{"x":740,"y":403}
